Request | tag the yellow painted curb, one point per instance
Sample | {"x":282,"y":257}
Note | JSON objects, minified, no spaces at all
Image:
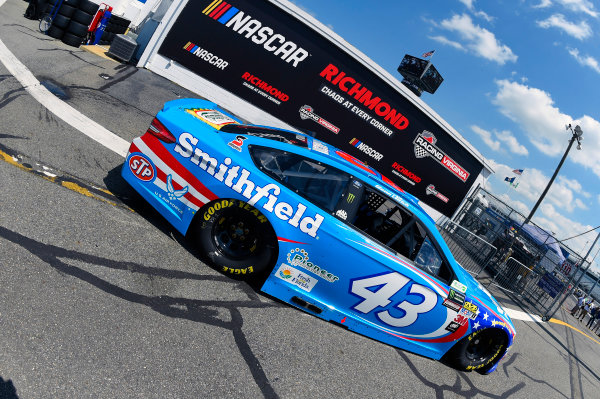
{"x":562,"y":323}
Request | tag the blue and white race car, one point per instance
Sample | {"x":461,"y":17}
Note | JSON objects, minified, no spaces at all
{"x":325,"y":232}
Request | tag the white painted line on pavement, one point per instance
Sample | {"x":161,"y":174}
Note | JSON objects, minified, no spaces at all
{"x":58,"y":107}
{"x":519,"y":315}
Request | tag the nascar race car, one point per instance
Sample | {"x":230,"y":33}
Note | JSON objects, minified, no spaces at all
{"x":324,"y":231}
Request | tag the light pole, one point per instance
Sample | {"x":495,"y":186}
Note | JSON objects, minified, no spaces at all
{"x":576,"y":135}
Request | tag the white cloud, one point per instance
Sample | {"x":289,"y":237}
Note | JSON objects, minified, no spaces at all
{"x":483,"y":15}
{"x":549,"y":217}
{"x":534,"y":110}
{"x":543,"y":123}
{"x":510,"y":142}
{"x":579,"y":31}
{"x":479,"y":40}
{"x":448,"y":42}
{"x":468,"y":3}
{"x":544,"y":4}
{"x":587,"y":61}
{"x":583,"y":6}
{"x":486,"y":136}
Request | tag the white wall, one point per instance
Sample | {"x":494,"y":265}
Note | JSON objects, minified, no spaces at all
{"x":132,"y":10}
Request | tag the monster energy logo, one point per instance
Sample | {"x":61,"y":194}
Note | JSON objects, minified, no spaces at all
{"x":350,"y":198}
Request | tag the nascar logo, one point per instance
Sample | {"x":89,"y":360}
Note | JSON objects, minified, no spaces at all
{"x":254,"y":30}
{"x":425,"y":147}
{"x":366,"y":149}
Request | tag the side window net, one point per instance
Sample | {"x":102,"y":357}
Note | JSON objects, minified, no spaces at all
{"x":393,"y":226}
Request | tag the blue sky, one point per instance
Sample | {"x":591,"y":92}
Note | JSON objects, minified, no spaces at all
{"x":516,"y":72}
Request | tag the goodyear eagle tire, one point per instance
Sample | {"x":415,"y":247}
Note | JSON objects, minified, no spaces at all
{"x":478,"y":351}
{"x":236,"y":238}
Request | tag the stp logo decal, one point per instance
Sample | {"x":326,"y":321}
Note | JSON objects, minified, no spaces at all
{"x":141,"y":167}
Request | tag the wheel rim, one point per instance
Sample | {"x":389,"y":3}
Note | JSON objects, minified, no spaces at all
{"x":482,"y":346}
{"x":236,"y":235}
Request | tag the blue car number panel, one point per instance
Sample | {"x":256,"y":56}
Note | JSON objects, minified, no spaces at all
{"x":321,"y":230}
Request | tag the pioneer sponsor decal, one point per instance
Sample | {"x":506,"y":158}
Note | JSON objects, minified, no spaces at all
{"x":265,"y":89}
{"x":405,"y":174}
{"x":205,"y":55}
{"x":430,"y":190}
{"x":254,"y":30}
{"x":227,"y":173}
{"x":366,"y":97}
{"x":307,"y":112}
{"x":366,"y":149}
{"x":425,"y":147}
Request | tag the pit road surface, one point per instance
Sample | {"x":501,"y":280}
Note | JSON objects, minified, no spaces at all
{"x":100,"y":298}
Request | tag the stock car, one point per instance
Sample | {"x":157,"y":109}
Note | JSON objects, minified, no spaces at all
{"x":319,"y":229}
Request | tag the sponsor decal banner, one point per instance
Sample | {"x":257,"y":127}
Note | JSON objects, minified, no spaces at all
{"x":262,"y":54}
{"x":296,"y":277}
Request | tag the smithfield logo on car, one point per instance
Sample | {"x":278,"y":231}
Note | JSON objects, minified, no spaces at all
{"x":141,"y":167}
{"x":425,"y":147}
{"x":299,"y":258}
{"x":366,"y":149}
{"x":226,"y":173}
{"x":307,"y":112}
{"x":254,"y":30}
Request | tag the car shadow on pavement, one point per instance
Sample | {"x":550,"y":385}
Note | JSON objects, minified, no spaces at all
{"x":200,"y":311}
{"x":132,"y":200}
{"x":7,"y":389}
{"x":468,"y":391}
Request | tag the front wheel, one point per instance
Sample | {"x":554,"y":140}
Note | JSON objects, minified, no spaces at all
{"x":478,"y":350}
{"x":236,"y":238}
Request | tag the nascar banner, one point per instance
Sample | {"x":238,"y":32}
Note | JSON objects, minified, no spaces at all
{"x":264,"y":55}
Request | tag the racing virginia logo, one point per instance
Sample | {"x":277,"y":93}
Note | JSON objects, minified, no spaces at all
{"x":256,"y":31}
{"x":307,"y":112}
{"x":430,"y":190}
{"x":425,"y":147}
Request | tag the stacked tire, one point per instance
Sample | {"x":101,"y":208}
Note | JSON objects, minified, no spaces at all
{"x":116,"y":25}
{"x":77,"y":30}
{"x":62,"y":18}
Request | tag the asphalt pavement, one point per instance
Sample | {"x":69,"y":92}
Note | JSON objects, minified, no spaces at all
{"x":101,"y":298}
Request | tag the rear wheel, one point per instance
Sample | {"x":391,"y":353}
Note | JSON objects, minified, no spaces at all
{"x":478,"y":350}
{"x":236,"y":238}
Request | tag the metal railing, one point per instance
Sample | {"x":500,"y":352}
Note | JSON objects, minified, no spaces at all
{"x":470,"y":250}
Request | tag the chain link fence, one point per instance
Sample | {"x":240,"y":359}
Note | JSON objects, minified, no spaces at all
{"x":488,"y":239}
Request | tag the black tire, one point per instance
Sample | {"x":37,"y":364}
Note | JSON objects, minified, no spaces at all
{"x":77,"y":29}
{"x":72,"y":40}
{"x":82,"y":17}
{"x":60,"y":21}
{"x":237,"y":239}
{"x":72,"y":3}
{"x":66,"y":10}
{"x":478,"y":351}
{"x":116,"y":20}
{"x":89,"y":7}
{"x":55,"y":32}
